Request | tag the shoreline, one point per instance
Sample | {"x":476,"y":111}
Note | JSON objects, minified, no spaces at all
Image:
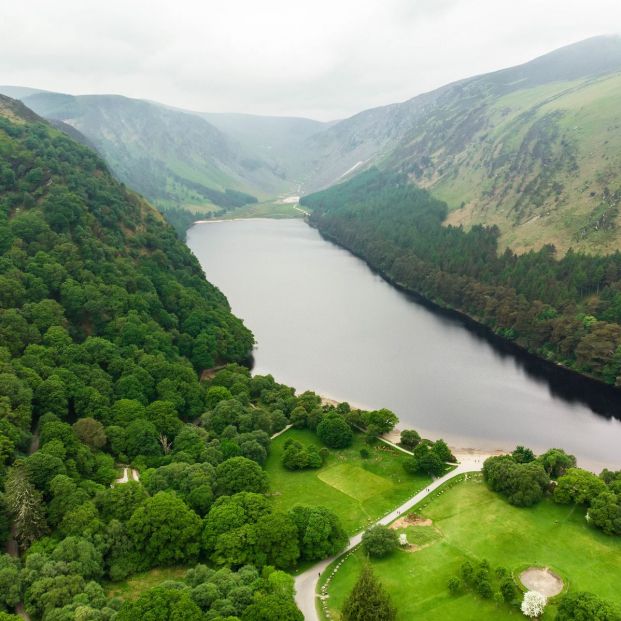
{"x":550,"y":370}
{"x":394,"y":436}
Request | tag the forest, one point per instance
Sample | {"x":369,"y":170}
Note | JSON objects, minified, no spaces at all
{"x":118,"y":356}
{"x":564,"y":309}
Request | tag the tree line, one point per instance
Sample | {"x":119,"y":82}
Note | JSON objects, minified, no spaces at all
{"x":564,"y":309}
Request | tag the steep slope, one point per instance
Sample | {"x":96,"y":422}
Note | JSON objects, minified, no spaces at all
{"x":106,"y":321}
{"x":534,"y":149}
{"x":75,"y":240}
{"x":176,"y":159}
{"x":278,"y":140}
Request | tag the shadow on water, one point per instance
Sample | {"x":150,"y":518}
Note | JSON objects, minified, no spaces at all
{"x":562,"y":383}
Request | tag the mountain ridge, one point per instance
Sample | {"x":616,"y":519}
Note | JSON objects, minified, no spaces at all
{"x":532,"y":149}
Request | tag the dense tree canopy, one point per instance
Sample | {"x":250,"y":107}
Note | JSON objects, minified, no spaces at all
{"x":380,"y":541}
{"x":522,"y":483}
{"x":334,"y":431}
{"x":581,"y":606}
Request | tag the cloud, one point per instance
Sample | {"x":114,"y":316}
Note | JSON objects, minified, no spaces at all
{"x":320,"y":58}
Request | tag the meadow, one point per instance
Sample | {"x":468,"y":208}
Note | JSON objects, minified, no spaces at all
{"x":358,"y":490}
{"x":468,"y":522}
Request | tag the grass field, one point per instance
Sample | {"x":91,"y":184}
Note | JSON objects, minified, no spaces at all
{"x":269,"y":209}
{"x":357,"y":490}
{"x":470,"y":522}
{"x":132,"y":587}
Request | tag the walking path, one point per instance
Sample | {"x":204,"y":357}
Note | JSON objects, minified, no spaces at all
{"x":306,"y":583}
{"x":279,"y":433}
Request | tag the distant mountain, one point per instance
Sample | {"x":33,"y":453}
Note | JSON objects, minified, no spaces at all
{"x":172,"y":157}
{"x":274,"y":139}
{"x":534,"y":149}
{"x":18,"y":92}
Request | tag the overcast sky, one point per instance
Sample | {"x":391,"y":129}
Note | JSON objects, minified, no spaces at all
{"x":324,"y":59}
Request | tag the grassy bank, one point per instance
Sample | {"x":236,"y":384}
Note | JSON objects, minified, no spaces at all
{"x":358,"y":490}
{"x":470,"y":522}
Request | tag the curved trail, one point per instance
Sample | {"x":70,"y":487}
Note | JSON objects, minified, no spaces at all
{"x":306,"y":583}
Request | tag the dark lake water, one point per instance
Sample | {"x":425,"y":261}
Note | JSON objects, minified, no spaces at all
{"x":324,"y":321}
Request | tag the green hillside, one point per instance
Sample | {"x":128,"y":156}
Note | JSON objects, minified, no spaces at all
{"x":542,"y":164}
{"x":89,"y":266}
{"x":533,"y":149}
{"x":106,"y":323}
{"x":174,"y":158}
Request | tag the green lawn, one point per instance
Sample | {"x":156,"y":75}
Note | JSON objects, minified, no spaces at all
{"x":357,"y":490}
{"x":132,"y":587}
{"x":470,"y":522}
{"x":268,"y":209}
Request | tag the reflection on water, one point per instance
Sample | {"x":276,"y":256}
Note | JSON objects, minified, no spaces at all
{"x":324,"y":321}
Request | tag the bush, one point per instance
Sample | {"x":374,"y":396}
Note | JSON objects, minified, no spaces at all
{"x":299,"y":457}
{"x":533,"y":604}
{"x":427,"y":463}
{"x":584,"y":606}
{"x":507,"y":589}
{"x":380,"y":541}
{"x":441,"y":449}
{"x":364,"y":453}
{"x":455,"y":585}
{"x":409,"y":439}
{"x":467,"y":572}
{"x":522,"y":484}
{"x":484,"y":589}
{"x":334,"y":431}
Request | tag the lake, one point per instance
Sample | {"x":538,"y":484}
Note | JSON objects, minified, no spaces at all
{"x":324,"y":321}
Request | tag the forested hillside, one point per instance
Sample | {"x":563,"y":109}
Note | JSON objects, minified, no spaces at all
{"x":532,"y":149}
{"x":567,"y":310}
{"x":116,"y":460}
{"x":174,"y":158}
{"x":106,"y":321}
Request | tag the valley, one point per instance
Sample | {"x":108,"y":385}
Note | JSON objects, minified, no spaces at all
{"x":273,"y":368}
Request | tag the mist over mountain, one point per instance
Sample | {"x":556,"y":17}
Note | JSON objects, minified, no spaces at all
{"x":507,"y":148}
{"x":533,"y":149}
{"x":174,"y":158}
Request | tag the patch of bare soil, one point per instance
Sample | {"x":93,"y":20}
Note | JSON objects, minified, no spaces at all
{"x":543,"y":580}
{"x":411,"y":520}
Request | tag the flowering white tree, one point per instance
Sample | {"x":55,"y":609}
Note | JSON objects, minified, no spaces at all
{"x":533,"y":604}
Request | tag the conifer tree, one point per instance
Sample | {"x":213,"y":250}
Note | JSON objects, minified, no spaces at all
{"x":25,"y":504}
{"x":368,"y":600}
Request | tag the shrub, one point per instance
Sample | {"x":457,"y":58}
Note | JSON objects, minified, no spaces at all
{"x":334,"y":431}
{"x":533,"y":604}
{"x":299,"y":457}
{"x":467,"y":572}
{"x":455,"y":585}
{"x":380,"y":541}
{"x":409,"y":438}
